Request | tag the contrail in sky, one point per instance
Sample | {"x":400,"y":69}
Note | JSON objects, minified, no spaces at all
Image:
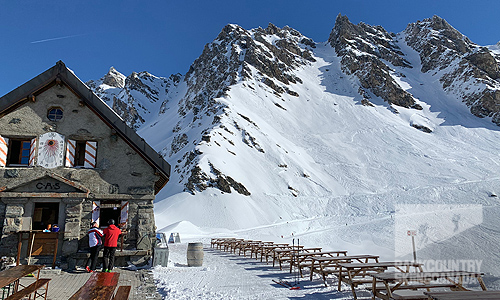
{"x":55,"y":39}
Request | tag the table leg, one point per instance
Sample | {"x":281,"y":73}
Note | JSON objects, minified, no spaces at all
{"x":312,"y":271}
{"x":55,"y":251}
{"x":19,"y":245}
{"x":481,"y":282}
{"x":352,"y":284}
{"x":374,"y":288}
{"x":340,"y":280}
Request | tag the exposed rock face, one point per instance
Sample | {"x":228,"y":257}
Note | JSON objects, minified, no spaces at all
{"x":468,"y":70}
{"x":135,"y":96}
{"x":114,"y":78}
{"x":271,"y":55}
{"x":238,"y":54}
{"x":362,"y":49}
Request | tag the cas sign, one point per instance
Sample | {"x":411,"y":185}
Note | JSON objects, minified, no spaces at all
{"x":51,"y":150}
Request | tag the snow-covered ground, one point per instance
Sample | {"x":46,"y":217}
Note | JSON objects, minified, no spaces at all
{"x":230,"y":276}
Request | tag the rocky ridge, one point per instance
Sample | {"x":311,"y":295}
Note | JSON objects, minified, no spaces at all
{"x":363,"y":50}
{"x":136,"y":96}
{"x":465,"y":69}
{"x":267,"y":60}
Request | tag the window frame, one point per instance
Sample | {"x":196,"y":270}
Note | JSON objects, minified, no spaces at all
{"x":77,"y":152}
{"x":57,"y":117}
{"x":11,"y":154}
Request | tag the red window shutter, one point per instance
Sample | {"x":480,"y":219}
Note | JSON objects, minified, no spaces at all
{"x":124,"y":214}
{"x":32,"y":152}
{"x":90,"y":154}
{"x":96,"y":209}
{"x":70,"y":153}
{"x":4,"y":148}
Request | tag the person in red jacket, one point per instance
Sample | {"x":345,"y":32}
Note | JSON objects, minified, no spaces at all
{"x":111,"y":235}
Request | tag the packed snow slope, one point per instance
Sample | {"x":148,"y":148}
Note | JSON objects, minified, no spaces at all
{"x":345,"y":144}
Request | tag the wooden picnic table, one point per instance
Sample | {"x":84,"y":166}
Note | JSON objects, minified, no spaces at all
{"x":100,"y":286}
{"x":13,"y":274}
{"x":304,"y":259}
{"x":398,"y":284}
{"x":285,"y":254}
{"x":246,"y":246}
{"x":464,"y":295}
{"x":218,"y":242}
{"x":359,"y":273}
{"x":11,"y":277}
{"x":326,"y":265}
{"x":230,"y":245}
{"x":257,"y":248}
{"x":268,"y":250}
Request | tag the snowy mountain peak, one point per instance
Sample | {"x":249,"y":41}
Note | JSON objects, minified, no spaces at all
{"x":466,"y":70}
{"x":134,"y":97}
{"x":114,"y":78}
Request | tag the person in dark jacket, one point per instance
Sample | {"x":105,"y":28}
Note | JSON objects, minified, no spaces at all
{"x":111,"y":235}
{"x":95,"y":244}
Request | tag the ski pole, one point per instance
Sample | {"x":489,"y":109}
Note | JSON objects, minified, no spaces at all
{"x":298,"y":263}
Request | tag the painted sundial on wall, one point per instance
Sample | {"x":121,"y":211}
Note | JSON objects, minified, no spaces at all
{"x":51,"y":150}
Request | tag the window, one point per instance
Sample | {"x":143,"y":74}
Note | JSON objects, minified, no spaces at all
{"x":110,"y":209}
{"x":103,"y":211}
{"x":55,"y":114}
{"x":81,"y":154}
{"x":45,"y":213}
{"x":19,"y":152}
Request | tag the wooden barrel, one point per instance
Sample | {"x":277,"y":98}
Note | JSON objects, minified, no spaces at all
{"x":195,"y":254}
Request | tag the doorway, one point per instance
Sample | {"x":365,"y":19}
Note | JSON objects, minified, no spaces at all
{"x":110,"y":209}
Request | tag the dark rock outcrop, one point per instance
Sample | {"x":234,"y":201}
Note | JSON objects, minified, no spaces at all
{"x":362,"y":49}
{"x":468,"y":70}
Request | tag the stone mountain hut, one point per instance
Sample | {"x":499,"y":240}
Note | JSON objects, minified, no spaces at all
{"x":67,"y":158}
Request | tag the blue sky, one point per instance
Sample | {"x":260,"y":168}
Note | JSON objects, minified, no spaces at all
{"x":165,"y":37}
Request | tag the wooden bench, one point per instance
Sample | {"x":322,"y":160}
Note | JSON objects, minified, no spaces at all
{"x":10,"y":278}
{"x":100,"y":286}
{"x":122,"y":292}
{"x":464,"y":295}
{"x":411,"y":286}
{"x":415,"y":286}
{"x":32,"y":289}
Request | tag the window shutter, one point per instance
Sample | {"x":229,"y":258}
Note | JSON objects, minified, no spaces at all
{"x":124,"y":214}
{"x":32,"y":152}
{"x":90,"y":154}
{"x":96,"y":211}
{"x":70,"y":153}
{"x":4,"y":142}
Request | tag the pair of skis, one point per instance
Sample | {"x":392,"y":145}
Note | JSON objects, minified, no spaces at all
{"x":286,"y":284}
